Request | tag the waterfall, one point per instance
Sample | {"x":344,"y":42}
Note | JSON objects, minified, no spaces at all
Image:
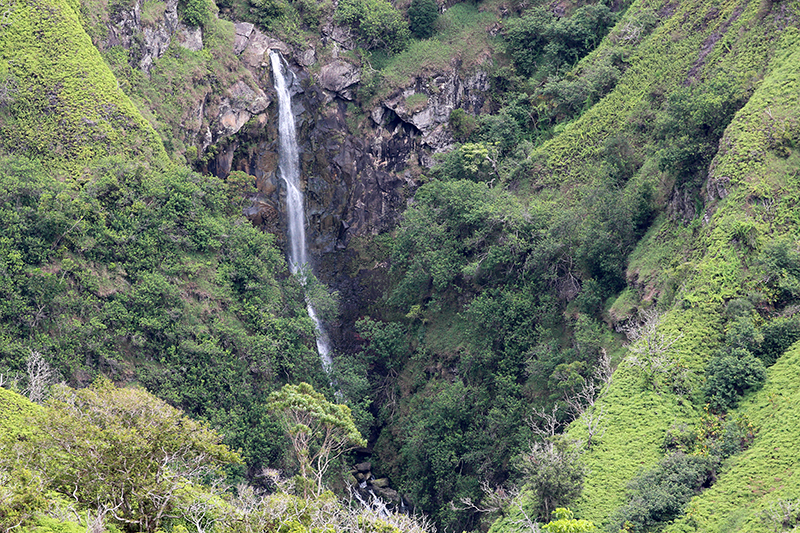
{"x":289,"y":169}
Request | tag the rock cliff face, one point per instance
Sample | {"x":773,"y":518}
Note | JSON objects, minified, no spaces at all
{"x":357,"y":174}
{"x":359,"y":165}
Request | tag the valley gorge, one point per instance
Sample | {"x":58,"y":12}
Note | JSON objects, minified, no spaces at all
{"x":553,"y":245}
{"x":358,"y":171}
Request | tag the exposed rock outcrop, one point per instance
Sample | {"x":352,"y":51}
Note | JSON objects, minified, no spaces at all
{"x":339,"y":76}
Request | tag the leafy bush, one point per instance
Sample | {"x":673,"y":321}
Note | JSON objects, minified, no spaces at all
{"x":268,"y":11}
{"x":728,"y":377}
{"x":692,"y":122}
{"x":541,"y":43}
{"x":565,"y":522}
{"x":661,"y":493}
{"x":777,"y":336}
{"x":198,"y":12}
{"x":554,"y":473}
{"x":124,"y":449}
{"x":378,"y":24}
{"x":462,"y":124}
{"x":422,"y":15}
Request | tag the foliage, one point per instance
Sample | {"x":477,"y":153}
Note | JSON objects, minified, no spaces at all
{"x":542,"y":43}
{"x":747,"y":489}
{"x":462,"y":34}
{"x":462,"y":124}
{"x":728,"y":377}
{"x":553,"y":472}
{"x":565,"y":522}
{"x":661,"y":494}
{"x":125,"y":450}
{"x":152,"y":443}
{"x":95,"y":275}
{"x":199,"y":12}
{"x":777,"y":336}
{"x":320,"y":431}
{"x":120,"y":452}
{"x":377,"y":22}
{"x":64,"y":106}
{"x":422,"y":15}
{"x":693,"y":120}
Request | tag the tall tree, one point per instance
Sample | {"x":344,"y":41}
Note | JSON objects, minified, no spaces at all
{"x":320,"y":431}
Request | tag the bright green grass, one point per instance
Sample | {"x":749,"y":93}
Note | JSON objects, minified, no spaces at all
{"x":661,"y":61}
{"x":756,"y":479}
{"x":462,"y":36}
{"x":63,"y":103}
{"x":694,"y":269}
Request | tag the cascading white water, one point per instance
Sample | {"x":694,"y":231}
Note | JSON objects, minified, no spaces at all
{"x":289,"y":168}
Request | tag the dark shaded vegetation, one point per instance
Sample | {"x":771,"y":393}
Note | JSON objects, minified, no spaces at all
{"x":661,"y":493}
{"x":422,"y":15}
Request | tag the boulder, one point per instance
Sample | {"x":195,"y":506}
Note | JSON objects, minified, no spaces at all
{"x":243,"y":32}
{"x":191,"y":38}
{"x":338,"y":76}
{"x":364,"y":467}
{"x":380,"y":483}
{"x":388,"y":494}
{"x":307,"y":58}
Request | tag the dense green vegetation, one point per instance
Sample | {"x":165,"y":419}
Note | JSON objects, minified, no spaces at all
{"x":626,"y":203}
{"x":109,"y":459}
{"x":128,"y":266}
{"x":59,"y":101}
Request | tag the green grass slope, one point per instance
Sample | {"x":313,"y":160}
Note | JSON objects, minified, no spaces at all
{"x":743,"y":201}
{"x":60,"y":101}
{"x":692,"y":40}
{"x":716,"y":262}
{"x":751,"y":487}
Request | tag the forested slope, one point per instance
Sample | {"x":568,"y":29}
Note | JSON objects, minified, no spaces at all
{"x":116,"y":261}
{"x":707,"y":263}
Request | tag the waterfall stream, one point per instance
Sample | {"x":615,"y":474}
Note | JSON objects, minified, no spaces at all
{"x":289,"y":170}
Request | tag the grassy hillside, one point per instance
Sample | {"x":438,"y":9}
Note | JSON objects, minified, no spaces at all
{"x":754,"y":488}
{"x":662,"y":180}
{"x":60,"y":101}
{"x":721,"y":267}
{"x":692,"y":270}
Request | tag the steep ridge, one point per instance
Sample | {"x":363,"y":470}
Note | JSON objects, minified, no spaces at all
{"x":118,"y":262}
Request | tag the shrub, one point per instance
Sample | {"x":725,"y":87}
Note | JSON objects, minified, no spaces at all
{"x":266,"y":11}
{"x":565,"y":522}
{"x":661,"y":493}
{"x":777,"y":335}
{"x":198,"y":12}
{"x":422,"y":15}
{"x":462,"y":124}
{"x":378,"y":24}
{"x":554,"y":472}
{"x":542,"y":43}
{"x":728,"y":377}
